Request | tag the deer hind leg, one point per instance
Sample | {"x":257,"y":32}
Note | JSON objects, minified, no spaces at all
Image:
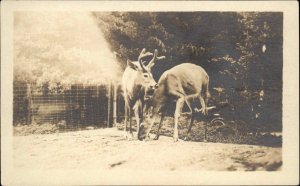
{"x":189,"y":99}
{"x":203,"y":97}
{"x":203,"y":104}
{"x":179,"y":105}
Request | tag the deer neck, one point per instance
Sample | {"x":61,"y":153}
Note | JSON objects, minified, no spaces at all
{"x":159,"y":101}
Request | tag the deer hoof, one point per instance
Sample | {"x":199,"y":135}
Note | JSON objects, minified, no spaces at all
{"x":156,"y":137}
{"x":129,"y":136}
{"x":147,"y":138}
{"x":175,"y":139}
{"x":140,"y":138}
{"x":186,"y":138}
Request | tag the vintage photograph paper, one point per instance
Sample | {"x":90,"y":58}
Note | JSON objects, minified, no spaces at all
{"x":101,"y":93}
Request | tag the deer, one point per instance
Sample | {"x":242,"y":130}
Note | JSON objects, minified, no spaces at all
{"x":138,"y":85}
{"x":183,"y":83}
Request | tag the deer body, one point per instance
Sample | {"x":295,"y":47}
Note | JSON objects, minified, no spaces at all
{"x":137,"y":83}
{"x":182,"y":83}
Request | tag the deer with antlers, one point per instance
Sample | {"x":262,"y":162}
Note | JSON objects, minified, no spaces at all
{"x":138,"y":85}
{"x":182,"y":83}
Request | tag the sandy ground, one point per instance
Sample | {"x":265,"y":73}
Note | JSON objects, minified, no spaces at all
{"x":107,"y":149}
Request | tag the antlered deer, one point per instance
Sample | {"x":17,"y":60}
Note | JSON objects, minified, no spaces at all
{"x":137,"y":84}
{"x":182,"y":83}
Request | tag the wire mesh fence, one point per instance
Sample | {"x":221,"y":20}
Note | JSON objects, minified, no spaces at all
{"x":77,"y":107}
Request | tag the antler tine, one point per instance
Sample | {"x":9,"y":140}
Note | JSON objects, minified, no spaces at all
{"x":161,"y":57}
{"x":151,"y":63}
{"x":141,"y":56}
{"x":144,"y":54}
{"x":155,"y":58}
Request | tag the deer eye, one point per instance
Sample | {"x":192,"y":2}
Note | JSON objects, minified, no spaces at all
{"x":146,"y":75}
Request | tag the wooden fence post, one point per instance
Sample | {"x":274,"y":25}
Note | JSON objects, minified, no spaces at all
{"x":115,"y":87}
{"x":109,"y":105}
{"x":29,"y":98}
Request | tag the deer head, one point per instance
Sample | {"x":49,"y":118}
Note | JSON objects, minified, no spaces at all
{"x":144,"y":75}
{"x":149,"y":92}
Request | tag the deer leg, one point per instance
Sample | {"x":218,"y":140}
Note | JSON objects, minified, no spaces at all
{"x":191,"y":122}
{"x":126,"y":121}
{"x":193,"y":96}
{"x":138,"y":112}
{"x":159,"y":126}
{"x":154,"y":119}
{"x":141,"y":113}
{"x":130,"y":126}
{"x":203,"y":105}
{"x":179,"y":105}
{"x":137,"y":118}
{"x":149,"y":129}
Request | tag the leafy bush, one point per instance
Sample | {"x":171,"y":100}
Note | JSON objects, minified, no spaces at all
{"x":56,"y":49}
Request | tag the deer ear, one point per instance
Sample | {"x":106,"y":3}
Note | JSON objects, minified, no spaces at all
{"x":132,"y":65}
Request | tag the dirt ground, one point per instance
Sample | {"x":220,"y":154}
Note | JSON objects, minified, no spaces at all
{"x":107,"y":149}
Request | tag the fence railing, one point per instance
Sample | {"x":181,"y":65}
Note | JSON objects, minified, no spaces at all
{"x":78,"y":106}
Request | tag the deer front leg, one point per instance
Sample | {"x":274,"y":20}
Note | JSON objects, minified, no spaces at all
{"x":149,"y":129}
{"x":126,"y":121}
{"x":159,"y":126}
{"x":154,"y":119}
{"x":130,"y":135}
{"x":137,"y":118}
{"x":179,"y":105}
{"x":191,"y":122}
{"x":138,"y":112}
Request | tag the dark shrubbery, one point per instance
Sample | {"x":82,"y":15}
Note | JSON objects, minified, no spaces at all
{"x":228,"y":133}
{"x":241,"y":51}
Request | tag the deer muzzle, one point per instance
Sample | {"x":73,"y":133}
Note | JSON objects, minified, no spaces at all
{"x":150,"y":91}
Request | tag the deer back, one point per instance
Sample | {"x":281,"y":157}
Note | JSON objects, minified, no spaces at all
{"x":182,"y":80}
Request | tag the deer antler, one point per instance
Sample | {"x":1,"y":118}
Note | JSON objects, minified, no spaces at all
{"x":141,"y":56}
{"x":154,"y":59}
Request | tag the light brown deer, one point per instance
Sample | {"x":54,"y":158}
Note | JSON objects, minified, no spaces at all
{"x":138,"y":85}
{"x":182,"y":83}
